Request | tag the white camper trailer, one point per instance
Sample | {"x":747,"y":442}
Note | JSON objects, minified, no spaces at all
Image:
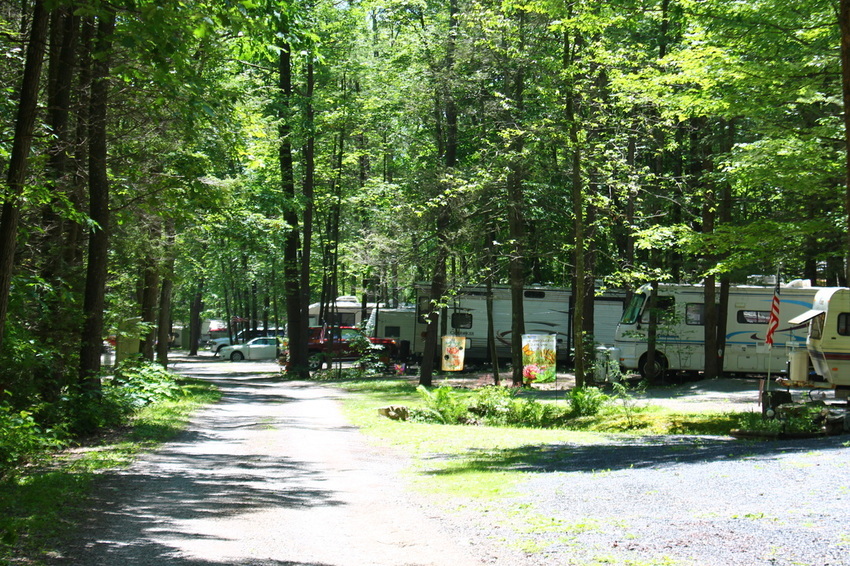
{"x":547,"y":311}
{"x":828,"y":338}
{"x":346,"y":311}
{"x":398,"y":324}
{"x":680,"y":339}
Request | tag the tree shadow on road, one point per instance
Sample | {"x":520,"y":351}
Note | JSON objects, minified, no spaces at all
{"x":622,"y":454}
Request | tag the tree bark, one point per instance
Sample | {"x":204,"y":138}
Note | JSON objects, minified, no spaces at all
{"x":149,"y":296}
{"x":438,"y":287}
{"x":16,"y":178}
{"x":307,"y":191}
{"x":298,"y":363}
{"x":163,"y":323}
{"x":195,"y":317}
{"x":93,"y":303}
{"x":516,"y":224}
{"x":844,"y":26}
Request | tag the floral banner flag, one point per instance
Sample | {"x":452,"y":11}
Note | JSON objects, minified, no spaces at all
{"x":453,"y":350}
{"x":538,"y":358}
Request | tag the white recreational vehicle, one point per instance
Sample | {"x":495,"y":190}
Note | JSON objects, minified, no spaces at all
{"x":547,"y":311}
{"x":828,"y":339}
{"x":680,"y":338}
{"x":399,"y":324}
{"x":347,"y":310}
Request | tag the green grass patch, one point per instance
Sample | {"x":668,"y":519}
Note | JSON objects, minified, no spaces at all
{"x":478,"y":471}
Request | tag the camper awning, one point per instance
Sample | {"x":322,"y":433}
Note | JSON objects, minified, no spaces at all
{"x":806,"y":316}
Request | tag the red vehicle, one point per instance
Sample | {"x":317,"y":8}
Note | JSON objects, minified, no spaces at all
{"x":328,"y":343}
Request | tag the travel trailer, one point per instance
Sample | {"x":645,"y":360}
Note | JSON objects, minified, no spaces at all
{"x":398,"y":324}
{"x":347,"y":311}
{"x":680,"y":339}
{"x":547,"y":311}
{"x":827,"y":340}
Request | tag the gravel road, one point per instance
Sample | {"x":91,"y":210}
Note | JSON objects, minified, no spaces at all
{"x":274,"y":475}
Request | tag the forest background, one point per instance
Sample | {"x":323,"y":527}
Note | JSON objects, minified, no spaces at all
{"x":172,"y":159}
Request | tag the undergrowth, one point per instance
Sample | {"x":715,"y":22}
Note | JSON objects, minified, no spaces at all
{"x":591,"y":409}
{"x":41,"y":481}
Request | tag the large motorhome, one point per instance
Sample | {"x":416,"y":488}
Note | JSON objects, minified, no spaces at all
{"x":827,"y":340}
{"x":680,"y":338}
{"x":547,"y":311}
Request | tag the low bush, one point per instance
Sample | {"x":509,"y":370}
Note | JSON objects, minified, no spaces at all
{"x":27,"y":434}
{"x":442,"y":405}
{"x":22,"y":438}
{"x":586,"y":401}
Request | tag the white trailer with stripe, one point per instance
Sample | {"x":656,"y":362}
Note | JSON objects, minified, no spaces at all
{"x":548,"y":310}
{"x":680,"y":339}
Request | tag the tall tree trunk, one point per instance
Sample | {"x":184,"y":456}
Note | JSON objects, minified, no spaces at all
{"x":298,"y":363}
{"x":844,"y":26}
{"x":62,"y":62}
{"x":307,"y":191}
{"x":93,"y":303}
{"x":493,"y":355}
{"x":195,"y":317}
{"x":724,"y":217}
{"x":149,"y":298}
{"x":438,"y":287}
{"x":448,"y":147}
{"x":16,"y":178}
{"x":516,"y":221}
{"x":163,"y":325}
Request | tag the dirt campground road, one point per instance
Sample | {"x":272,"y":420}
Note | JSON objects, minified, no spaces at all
{"x":273,"y":475}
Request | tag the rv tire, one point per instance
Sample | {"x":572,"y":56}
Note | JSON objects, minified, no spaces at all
{"x":660,"y":367}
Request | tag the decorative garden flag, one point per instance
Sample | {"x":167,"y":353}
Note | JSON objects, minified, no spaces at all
{"x":453,"y":350}
{"x":538,"y":358}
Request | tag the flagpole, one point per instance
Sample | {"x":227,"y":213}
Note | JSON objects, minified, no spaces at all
{"x":772,"y":324}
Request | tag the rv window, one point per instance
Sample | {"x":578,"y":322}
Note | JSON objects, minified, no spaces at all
{"x":664,"y":306}
{"x":392,"y":332}
{"x":694,"y":313}
{"x":844,"y":324}
{"x":816,"y":327}
{"x":630,"y":315}
{"x":535,"y":294}
{"x":461,"y":320}
{"x":753,"y":317}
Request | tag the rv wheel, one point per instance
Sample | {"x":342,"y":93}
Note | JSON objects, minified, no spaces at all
{"x":653,"y":374}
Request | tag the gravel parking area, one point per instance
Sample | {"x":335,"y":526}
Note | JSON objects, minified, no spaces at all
{"x":680,"y":501}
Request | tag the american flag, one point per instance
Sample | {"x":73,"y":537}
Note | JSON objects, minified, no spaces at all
{"x":773,"y":321}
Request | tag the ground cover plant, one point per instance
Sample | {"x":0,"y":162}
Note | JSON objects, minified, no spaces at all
{"x":616,"y":408}
{"x":47,"y":472}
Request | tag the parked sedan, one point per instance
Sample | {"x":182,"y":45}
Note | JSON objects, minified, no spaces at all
{"x":262,"y":348}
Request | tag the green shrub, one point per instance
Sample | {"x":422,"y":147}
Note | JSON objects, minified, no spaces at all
{"x":139,"y":382}
{"x":442,"y":405}
{"x":136,"y":383}
{"x":586,"y":401}
{"x":494,"y":404}
{"x":21,"y":438}
{"x":533,"y":413}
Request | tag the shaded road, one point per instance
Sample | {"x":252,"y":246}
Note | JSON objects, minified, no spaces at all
{"x":271,"y":475}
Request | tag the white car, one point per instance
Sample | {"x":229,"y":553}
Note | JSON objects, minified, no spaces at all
{"x":262,"y":348}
